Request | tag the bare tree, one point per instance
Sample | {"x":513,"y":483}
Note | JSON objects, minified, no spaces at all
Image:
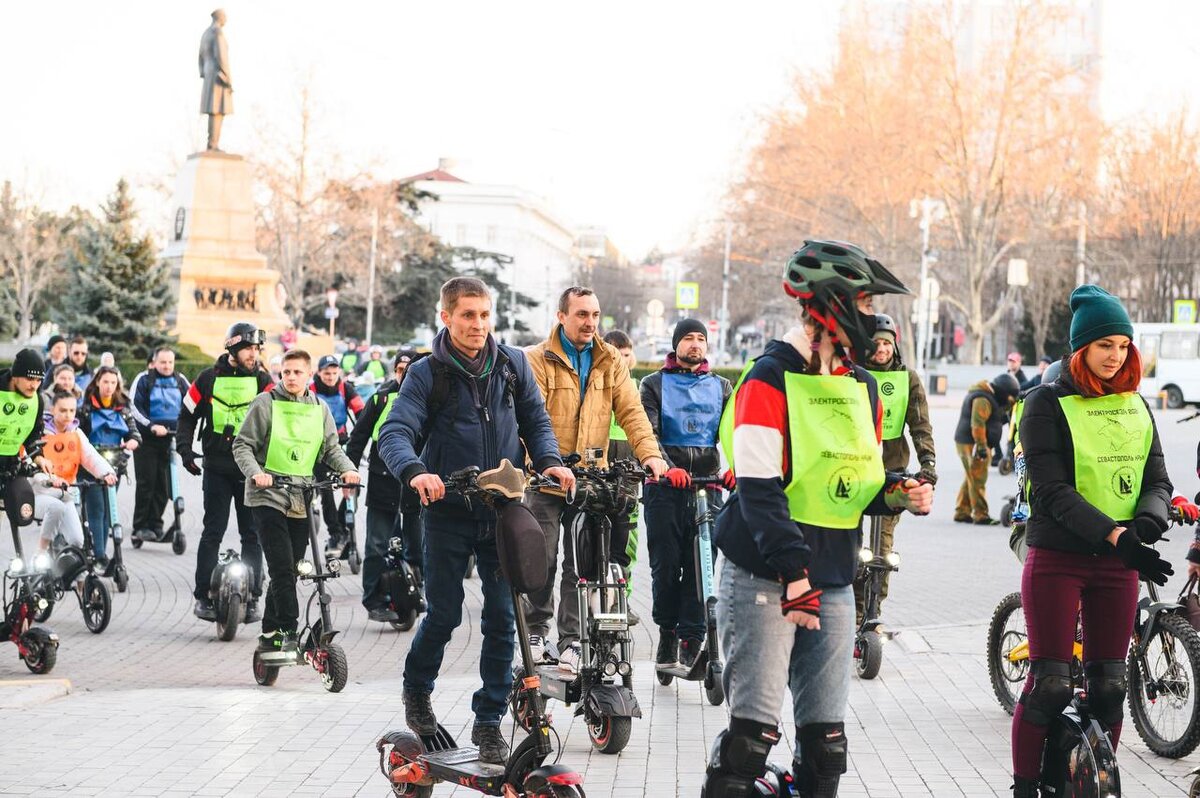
{"x":32,"y":242}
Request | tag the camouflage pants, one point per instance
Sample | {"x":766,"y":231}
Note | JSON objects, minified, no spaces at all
{"x":887,"y":534}
{"x":972,"y":496}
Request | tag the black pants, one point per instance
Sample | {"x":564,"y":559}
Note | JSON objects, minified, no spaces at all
{"x":331,"y":508}
{"x":671,"y":538}
{"x":152,"y":489}
{"x":284,"y":543}
{"x":220,"y":488}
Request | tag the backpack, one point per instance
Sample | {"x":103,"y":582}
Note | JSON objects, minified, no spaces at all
{"x":444,"y":394}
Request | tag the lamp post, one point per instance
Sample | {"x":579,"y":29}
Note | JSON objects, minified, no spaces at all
{"x":928,"y":210}
{"x":331,"y":312}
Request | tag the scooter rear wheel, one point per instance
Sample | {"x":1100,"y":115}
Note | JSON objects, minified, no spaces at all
{"x":41,"y":616}
{"x":518,"y":703}
{"x":179,"y":542}
{"x":96,"y":604}
{"x":43,"y":652}
{"x":227,"y":622}
{"x":663,"y":678}
{"x":335,"y":670}
{"x":870,"y":655}
{"x":406,"y":622}
{"x":264,"y":674}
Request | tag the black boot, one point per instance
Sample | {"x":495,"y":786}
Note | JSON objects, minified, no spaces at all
{"x":418,"y":713}
{"x":1024,"y":788}
{"x":492,"y":748}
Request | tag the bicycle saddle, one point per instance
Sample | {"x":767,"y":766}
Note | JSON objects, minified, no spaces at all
{"x":506,"y":479}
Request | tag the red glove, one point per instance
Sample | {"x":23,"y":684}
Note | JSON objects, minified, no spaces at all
{"x":809,"y":602}
{"x":1189,"y":511}
{"x":678,"y":478}
{"x":729,"y":480}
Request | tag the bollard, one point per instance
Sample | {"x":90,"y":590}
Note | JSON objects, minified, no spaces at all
{"x":938,"y":384}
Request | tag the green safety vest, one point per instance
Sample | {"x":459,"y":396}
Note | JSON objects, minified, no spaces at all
{"x":615,"y":433}
{"x":349,"y":361}
{"x":725,"y":431}
{"x":297,"y":433}
{"x":18,"y":415}
{"x":376,"y":368}
{"x":893,"y":395}
{"x":387,"y":408}
{"x":1112,"y":436}
{"x":837,"y":468}
{"x":1018,"y":408}
{"x":231,"y":398}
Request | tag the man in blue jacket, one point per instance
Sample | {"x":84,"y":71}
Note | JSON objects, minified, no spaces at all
{"x":157,"y":399}
{"x":473,"y":402}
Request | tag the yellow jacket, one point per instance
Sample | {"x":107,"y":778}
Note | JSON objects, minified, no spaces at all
{"x":610,"y":390}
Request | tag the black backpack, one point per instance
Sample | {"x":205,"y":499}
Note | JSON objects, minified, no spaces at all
{"x":443,"y":394}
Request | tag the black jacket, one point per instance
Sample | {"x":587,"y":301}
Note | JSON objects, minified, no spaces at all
{"x":1060,"y":518}
{"x":195,"y":417}
{"x":383,"y":489}
{"x":699,"y":461}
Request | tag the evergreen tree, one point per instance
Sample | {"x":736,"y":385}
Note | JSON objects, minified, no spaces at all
{"x":119,"y":290}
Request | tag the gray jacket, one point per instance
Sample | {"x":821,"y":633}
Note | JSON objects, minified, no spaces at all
{"x":250,"y":452}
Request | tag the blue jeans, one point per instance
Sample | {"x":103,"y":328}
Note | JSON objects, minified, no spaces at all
{"x":765,"y":654}
{"x":449,"y":542}
{"x":97,"y":515}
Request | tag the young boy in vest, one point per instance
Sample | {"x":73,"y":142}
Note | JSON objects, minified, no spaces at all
{"x":67,"y":449}
{"x":286,"y":432}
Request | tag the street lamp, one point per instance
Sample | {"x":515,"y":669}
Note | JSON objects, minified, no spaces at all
{"x":928,"y":210}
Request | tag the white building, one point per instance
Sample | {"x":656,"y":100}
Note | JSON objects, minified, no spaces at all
{"x":511,"y":221}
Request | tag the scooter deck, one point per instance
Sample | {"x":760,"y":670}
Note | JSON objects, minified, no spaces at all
{"x":281,"y":658}
{"x":695,"y":673}
{"x":559,"y":684}
{"x":462,"y":766}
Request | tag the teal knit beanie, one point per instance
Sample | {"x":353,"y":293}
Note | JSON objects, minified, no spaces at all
{"x":1095,"y":314}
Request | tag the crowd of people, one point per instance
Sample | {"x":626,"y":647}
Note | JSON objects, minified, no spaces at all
{"x":814,"y":436}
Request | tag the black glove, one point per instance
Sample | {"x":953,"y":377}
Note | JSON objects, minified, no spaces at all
{"x":928,"y":473}
{"x":1148,"y":530}
{"x":1142,"y":558}
{"x":190,"y":465}
{"x":981,"y":452}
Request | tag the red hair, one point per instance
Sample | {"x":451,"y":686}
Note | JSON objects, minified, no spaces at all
{"x":1127,"y":378}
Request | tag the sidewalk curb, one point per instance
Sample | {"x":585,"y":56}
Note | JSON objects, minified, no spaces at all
{"x":22,"y":693}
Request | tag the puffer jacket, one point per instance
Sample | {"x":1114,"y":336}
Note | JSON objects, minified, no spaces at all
{"x":610,"y":390}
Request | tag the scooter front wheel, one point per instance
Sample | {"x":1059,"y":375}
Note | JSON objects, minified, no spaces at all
{"x":264,"y":674}
{"x":406,"y":622}
{"x":43,"y":650}
{"x":179,"y":542}
{"x":96,"y":604}
{"x":355,"y":562}
{"x":332,"y":665}
{"x":869,"y":651}
{"x":610,"y":735}
{"x":227,"y":621}
{"x":714,"y":688}
{"x":43,"y":615}
{"x":664,"y":678}
{"x":121,"y":578}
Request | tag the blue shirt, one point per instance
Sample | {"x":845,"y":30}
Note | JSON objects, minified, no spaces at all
{"x":581,"y":360}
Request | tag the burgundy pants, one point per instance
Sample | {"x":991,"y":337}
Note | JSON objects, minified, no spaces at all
{"x":1054,"y":587}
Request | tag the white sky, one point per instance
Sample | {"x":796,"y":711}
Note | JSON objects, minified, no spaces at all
{"x":631,"y":116}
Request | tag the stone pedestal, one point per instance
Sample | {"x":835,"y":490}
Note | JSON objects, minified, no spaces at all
{"x":218,"y":272}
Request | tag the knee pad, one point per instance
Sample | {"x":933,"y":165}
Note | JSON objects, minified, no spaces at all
{"x":1106,"y":687}
{"x":1051,"y":691}
{"x":739,"y":758}
{"x":822,"y":759}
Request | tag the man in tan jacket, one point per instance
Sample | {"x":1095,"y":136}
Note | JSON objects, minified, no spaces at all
{"x":575,"y":356}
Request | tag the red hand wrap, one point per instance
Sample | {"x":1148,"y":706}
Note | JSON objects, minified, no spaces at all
{"x":809,"y":602}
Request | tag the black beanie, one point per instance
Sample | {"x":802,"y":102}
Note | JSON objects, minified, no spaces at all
{"x":686,"y":326}
{"x":28,"y":363}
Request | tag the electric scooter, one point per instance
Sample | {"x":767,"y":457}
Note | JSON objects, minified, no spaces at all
{"x":401,"y":581}
{"x":606,"y":647}
{"x":413,"y":763}
{"x":69,"y":564}
{"x":174,"y":533}
{"x":873,"y":566}
{"x":707,"y":668}
{"x":347,"y":549}
{"x":23,"y":586}
{"x":316,"y":647}
{"x":230,"y":589}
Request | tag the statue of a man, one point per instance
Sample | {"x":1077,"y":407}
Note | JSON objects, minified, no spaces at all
{"x":216,"y":98}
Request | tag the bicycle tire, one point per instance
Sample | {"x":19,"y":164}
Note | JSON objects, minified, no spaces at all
{"x":1176,"y":628}
{"x":1003,"y":676}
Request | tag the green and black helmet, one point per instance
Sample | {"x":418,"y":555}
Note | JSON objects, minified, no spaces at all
{"x":828,"y":276}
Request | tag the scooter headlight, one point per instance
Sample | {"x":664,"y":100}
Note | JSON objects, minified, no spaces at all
{"x":624,"y":668}
{"x":893,"y":559}
{"x":41,"y":561}
{"x":237,"y":570}
{"x":610,"y":668}
{"x":16,"y":565}
{"x":304,"y":567}
{"x":865,"y":555}
{"x":42,"y":604}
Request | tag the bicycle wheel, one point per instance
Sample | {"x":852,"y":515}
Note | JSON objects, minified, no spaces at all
{"x":1163,"y":698}
{"x":1005,"y":632}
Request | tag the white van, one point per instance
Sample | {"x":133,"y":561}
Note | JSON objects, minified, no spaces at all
{"x":1170,"y":361}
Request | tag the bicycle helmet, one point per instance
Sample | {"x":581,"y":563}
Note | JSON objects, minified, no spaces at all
{"x":885,"y":323}
{"x":828,"y":276}
{"x":1051,"y":373}
{"x":243,"y":334}
{"x":1006,"y":388}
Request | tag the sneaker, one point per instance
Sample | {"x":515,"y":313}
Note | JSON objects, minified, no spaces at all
{"x":492,"y":747}
{"x":251,"y":613}
{"x":537,"y":647}
{"x":632,"y":617}
{"x":382,"y":615}
{"x":569,"y":658}
{"x":668,"y":651}
{"x":986,"y":521}
{"x":204,"y":610}
{"x":689,"y":652}
{"x":418,"y":713}
{"x":270,"y":641}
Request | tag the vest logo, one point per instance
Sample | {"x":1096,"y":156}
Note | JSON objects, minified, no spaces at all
{"x":1123,"y":482}
{"x":692,"y":425}
{"x":1115,"y":434}
{"x":843,"y":485}
{"x":58,"y":446}
{"x":294,"y":454}
{"x":9,"y":408}
{"x":22,"y":409}
{"x":887,"y":388}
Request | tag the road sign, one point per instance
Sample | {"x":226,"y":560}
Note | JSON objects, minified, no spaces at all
{"x":655,"y":308}
{"x":713,"y":325}
{"x":687,"y":296}
{"x":331,"y":313}
{"x":1185,"y":311}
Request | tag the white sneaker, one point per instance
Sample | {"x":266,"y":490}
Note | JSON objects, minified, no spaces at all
{"x":569,"y":658}
{"x":537,"y":645}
